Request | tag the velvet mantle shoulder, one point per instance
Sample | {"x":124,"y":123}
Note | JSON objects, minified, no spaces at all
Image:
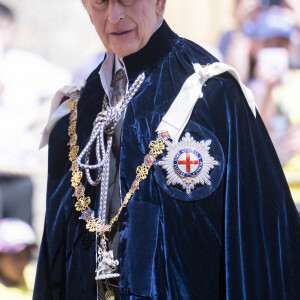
{"x":242,"y":227}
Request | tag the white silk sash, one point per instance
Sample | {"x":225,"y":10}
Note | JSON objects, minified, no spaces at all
{"x":181,"y":109}
{"x":57,"y":111}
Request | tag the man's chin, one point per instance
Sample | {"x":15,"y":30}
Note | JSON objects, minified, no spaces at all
{"x":125,"y":51}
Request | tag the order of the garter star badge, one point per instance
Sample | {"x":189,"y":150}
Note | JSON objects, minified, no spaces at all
{"x":188,"y":163}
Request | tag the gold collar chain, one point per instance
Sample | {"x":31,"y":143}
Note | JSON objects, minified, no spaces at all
{"x":82,"y":204}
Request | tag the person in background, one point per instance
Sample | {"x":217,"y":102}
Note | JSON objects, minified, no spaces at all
{"x":27,"y":81}
{"x":235,"y":45}
{"x":276,"y":86}
{"x":17,"y":240}
{"x":294,"y":5}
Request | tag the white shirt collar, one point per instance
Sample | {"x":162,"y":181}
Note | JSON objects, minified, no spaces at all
{"x":111,"y":64}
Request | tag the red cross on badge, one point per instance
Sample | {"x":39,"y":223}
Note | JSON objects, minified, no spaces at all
{"x":188,"y":162}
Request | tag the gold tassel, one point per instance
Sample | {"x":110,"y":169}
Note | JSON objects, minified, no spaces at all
{"x":101,"y":295}
{"x":109,"y":295}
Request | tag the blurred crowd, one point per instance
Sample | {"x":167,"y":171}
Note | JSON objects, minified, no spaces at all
{"x":27,"y":83}
{"x":264,"y":47}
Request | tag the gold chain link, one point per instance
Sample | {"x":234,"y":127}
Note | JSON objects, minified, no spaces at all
{"x":82,"y":204}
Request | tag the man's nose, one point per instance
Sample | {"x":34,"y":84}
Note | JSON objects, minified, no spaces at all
{"x":115,"y":11}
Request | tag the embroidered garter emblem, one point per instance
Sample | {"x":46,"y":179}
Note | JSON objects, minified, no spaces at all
{"x":188,"y":163}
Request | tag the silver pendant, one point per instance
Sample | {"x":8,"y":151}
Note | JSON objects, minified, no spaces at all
{"x":106,"y":264}
{"x":188,"y":163}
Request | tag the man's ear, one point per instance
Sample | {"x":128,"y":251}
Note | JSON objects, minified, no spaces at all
{"x":160,"y":7}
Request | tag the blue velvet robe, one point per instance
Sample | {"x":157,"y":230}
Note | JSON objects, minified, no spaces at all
{"x":236,"y":239}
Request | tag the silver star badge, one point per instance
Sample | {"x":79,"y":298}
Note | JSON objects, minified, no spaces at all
{"x":188,"y":163}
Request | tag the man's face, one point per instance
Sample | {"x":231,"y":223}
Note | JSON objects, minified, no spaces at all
{"x":125,"y":26}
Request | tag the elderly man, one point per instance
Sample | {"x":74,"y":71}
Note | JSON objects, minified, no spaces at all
{"x":206,"y":212}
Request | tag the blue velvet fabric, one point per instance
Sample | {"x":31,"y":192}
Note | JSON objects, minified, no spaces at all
{"x":238,"y":239}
